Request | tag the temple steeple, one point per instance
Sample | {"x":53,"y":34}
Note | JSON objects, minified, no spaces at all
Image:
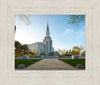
{"x":48,"y":41}
{"x":47,"y":31}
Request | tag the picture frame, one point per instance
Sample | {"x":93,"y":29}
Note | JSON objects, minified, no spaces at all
{"x":89,"y":76}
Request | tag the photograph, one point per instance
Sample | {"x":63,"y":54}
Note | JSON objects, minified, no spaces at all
{"x":49,"y":42}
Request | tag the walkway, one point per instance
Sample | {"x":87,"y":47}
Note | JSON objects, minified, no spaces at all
{"x":50,"y":64}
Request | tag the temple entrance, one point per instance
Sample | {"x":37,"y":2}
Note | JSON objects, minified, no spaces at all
{"x":51,"y":54}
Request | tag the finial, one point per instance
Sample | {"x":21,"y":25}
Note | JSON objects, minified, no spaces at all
{"x":47,"y":22}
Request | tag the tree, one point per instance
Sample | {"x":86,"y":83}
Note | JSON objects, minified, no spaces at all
{"x":35,"y":52}
{"x":66,"y":52}
{"x":76,"y":19}
{"x":18,"y":51}
{"x":31,"y":53}
{"x":76,"y":50}
{"x":63,"y":52}
{"x":24,"y":18}
{"x":81,"y":49}
{"x":59,"y":52}
{"x":25,"y":49}
{"x":18,"y":48}
{"x":15,"y":28}
{"x":17,"y":44}
{"x":70,"y":52}
{"x":83,"y":53}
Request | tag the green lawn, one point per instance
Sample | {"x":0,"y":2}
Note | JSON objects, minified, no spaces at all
{"x":74,"y":62}
{"x":25,"y":62}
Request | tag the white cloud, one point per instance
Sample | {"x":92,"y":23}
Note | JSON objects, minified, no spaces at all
{"x":74,"y":37}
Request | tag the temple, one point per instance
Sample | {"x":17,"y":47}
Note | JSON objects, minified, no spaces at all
{"x":45,"y":46}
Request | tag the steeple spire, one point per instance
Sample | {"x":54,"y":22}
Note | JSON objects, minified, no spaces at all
{"x":47,"y":31}
{"x":47,"y":25}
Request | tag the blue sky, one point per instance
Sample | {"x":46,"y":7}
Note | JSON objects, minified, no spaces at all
{"x":64,"y":35}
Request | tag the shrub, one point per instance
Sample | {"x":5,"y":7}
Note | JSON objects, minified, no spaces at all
{"x":42,"y":53}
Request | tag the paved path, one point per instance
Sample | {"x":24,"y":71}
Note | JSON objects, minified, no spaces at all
{"x":50,"y":64}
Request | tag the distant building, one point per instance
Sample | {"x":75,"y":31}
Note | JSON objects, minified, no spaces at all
{"x":45,"y":46}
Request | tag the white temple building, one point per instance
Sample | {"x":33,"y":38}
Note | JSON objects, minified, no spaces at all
{"x":45,"y":46}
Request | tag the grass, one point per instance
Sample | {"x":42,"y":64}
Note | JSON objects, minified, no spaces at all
{"x":74,"y":62}
{"x":25,"y":62}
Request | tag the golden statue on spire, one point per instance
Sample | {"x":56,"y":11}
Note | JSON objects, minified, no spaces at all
{"x":47,"y":22}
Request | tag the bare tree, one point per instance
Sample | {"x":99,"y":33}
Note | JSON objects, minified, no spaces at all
{"x":24,"y":18}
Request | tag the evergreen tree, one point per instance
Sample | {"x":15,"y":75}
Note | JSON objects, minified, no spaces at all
{"x":70,"y":52}
{"x":66,"y":52}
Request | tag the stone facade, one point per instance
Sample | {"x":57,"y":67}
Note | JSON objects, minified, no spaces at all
{"x":39,"y":46}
